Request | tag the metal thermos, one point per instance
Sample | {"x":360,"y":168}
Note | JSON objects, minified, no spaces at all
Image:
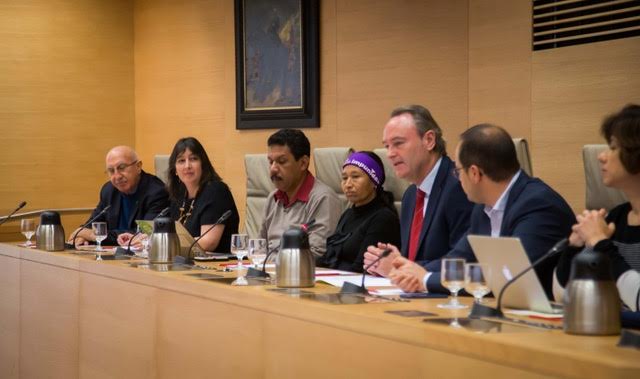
{"x":165,"y":244}
{"x":591,"y":300}
{"x":295,"y":264}
{"x":50,"y":233}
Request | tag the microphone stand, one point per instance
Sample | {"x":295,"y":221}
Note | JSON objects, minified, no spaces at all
{"x":121,"y":251}
{"x":348,"y":287}
{"x":187,"y":259}
{"x":253,"y":273}
{"x":20,"y":206}
{"x":75,"y":235}
{"x":480,"y":311}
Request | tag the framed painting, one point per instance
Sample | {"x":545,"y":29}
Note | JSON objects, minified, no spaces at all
{"x":277,"y":70}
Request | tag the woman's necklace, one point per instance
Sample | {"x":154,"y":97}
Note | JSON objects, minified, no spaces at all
{"x":185,"y":216}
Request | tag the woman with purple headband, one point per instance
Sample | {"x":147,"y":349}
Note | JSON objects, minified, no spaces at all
{"x":372,"y":218}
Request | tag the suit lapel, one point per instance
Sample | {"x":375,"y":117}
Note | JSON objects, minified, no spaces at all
{"x":407,"y":218}
{"x":434,"y":199}
{"x":514,"y":193}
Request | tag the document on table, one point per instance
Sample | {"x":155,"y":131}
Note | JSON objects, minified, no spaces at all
{"x":380,"y":286}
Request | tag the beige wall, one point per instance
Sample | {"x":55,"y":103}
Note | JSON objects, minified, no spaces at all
{"x":80,"y":76}
{"x":374,"y":55}
{"x":66,"y":96}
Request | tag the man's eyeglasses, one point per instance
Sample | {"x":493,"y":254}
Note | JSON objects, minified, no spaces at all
{"x":119,"y":168}
{"x":456,"y":172}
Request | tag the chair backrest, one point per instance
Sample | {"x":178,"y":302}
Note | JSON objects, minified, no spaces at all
{"x":259,"y":186}
{"x":597,"y":194}
{"x":328,"y":163}
{"x":522,"y":151}
{"x":161,"y":163}
{"x":392,"y":183}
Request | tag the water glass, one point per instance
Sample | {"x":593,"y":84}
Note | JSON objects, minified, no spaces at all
{"x":100,"y":231}
{"x":452,"y":277}
{"x":28,"y":228}
{"x":476,"y":280}
{"x":239,"y":246}
{"x":257,"y":251}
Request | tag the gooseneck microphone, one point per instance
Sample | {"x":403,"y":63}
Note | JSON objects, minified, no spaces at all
{"x":20,"y":206}
{"x":479,"y":310}
{"x":75,"y":235}
{"x":352,"y":288}
{"x":161,"y":214}
{"x":263,"y":274}
{"x":220,"y":220}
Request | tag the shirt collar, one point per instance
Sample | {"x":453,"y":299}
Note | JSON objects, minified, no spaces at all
{"x":302,"y":194}
{"x":501,"y":204}
{"x":427,"y":184}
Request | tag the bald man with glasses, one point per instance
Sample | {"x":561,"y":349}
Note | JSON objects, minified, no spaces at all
{"x":132,"y":193}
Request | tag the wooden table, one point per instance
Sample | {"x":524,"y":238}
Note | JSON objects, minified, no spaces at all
{"x":68,"y":316}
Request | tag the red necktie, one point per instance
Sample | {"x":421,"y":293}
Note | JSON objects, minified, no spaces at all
{"x":416,"y":226}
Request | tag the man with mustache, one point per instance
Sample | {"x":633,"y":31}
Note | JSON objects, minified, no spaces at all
{"x":132,"y":193}
{"x":299,"y":196}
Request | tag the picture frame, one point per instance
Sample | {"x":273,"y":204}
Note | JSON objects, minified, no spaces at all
{"x":277,"y":64}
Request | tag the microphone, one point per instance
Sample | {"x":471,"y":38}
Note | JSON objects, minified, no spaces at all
{"x":253,"y":273}
{"x":127,"y":251}
{"x":75,"y":235}
{"x":479,"y":310}
{"x":222,"y":219}
{"x":20,"y":206}
{"x":352,"y":288}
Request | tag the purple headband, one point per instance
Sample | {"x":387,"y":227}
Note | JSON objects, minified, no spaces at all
{"x":367,"y":164}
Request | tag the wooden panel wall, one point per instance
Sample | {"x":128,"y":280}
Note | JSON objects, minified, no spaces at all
{"x":574,"y":88}
{"x":66,"y":97}
{"x":375,"y":55}
{"x":500,"y":65}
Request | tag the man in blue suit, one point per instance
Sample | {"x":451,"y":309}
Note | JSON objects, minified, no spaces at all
{"x":509,"y":203}
{"x":435,"y":211}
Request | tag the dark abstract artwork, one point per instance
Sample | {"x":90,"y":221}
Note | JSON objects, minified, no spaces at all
{"x":277,"y":63}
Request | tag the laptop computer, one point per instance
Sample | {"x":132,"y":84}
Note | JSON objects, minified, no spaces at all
{"x":507,"y":258}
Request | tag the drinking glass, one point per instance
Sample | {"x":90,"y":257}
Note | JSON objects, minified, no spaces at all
{"x":145,"y":242}
{"x":28,"y":228}
{"x":476,"y":280}
{"x":100,"y":231}
{"x":239,"y":245}
{"x":452,"y":277}
{"x":257,"y":251}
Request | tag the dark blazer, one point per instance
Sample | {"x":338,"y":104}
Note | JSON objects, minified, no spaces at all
{"x":535,"y":213}
{"x":446,"y":218}
{"x":153,"y":198}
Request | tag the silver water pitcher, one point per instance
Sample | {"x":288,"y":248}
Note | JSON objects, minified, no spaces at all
{"x":50,"y":233}
{"x":591,"y":300}
{"x":295,"y":263}
{"x":165,"y":244}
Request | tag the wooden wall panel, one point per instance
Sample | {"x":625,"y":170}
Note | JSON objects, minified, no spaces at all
{"x":396,"y":53}
{"x":185,"y":75}
{"x":574,"y":88}
{"x":500,"y":65}
{"x":66,"y":97}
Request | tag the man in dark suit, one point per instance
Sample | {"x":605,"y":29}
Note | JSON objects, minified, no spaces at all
{"x":508,"y":203}
{"x":132,"y":193}
{"x":435,"y":211}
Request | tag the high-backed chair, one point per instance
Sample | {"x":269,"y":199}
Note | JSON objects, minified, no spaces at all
{"x":162,"y":167}
{"x":522,"y":151}
{"x":328,"y":163}
{"x":392,"y":183}
{"x":259,"y":186}
{"x":597,"y":194}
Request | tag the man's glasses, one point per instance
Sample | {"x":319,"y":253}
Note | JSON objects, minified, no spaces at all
{"x":119,"y":168}
{"x":456,"y":172}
